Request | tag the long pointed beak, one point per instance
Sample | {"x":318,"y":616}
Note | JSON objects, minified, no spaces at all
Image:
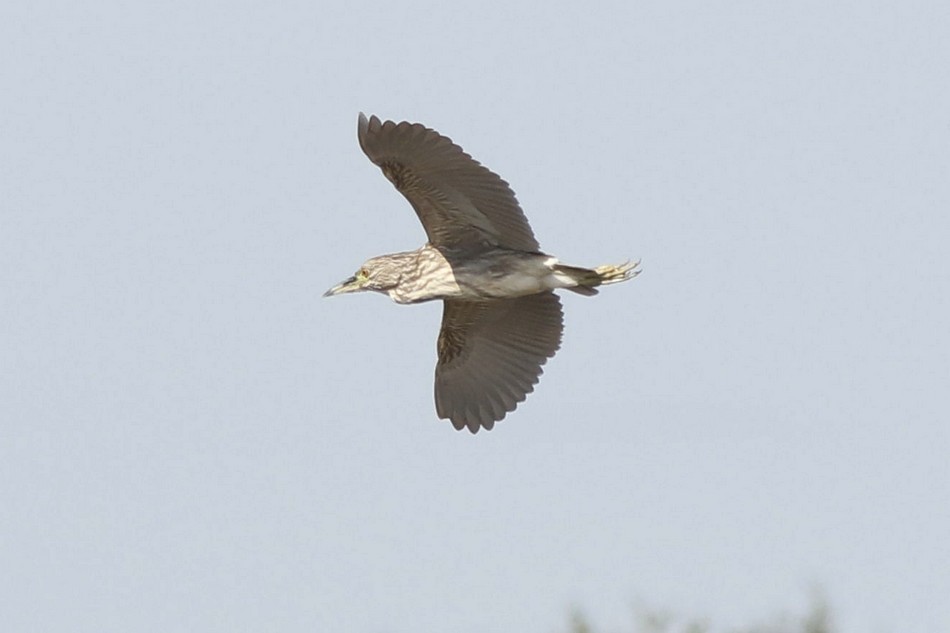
{"x":347,"y":285}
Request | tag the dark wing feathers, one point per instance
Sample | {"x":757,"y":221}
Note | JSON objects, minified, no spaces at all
{"x":490,"y":356}
{"x":461,"y":204}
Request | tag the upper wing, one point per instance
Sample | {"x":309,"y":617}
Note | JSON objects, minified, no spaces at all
{"x":461,"y":204}
{"x":490,"y":356}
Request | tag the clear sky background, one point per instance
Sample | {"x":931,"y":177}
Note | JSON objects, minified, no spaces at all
{"x":194,"y":440}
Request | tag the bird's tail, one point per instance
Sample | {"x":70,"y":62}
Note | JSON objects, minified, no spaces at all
{"x":586,"y":280}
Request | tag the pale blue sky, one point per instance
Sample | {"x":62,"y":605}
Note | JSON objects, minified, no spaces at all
{"x":194,"y":440}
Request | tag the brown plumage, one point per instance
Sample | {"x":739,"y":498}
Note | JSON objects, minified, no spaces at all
{"x":501,"y":320}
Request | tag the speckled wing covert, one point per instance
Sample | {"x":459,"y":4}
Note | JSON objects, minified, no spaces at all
{"x":462,"y":205}
{"x":490,"y":356}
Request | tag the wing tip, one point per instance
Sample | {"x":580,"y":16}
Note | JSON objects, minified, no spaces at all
{"x":362,"y":127}
{"x":467,"y":419}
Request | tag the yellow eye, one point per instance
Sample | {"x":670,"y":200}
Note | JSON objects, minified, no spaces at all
{"x":363,"y":273}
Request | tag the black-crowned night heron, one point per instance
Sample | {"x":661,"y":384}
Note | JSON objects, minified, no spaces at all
{"x":500,"y":321}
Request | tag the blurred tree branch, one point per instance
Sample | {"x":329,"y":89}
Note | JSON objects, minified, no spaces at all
{"x":817,"y":620}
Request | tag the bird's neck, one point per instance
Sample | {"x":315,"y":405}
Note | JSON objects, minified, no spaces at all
{"x":427,"y":275}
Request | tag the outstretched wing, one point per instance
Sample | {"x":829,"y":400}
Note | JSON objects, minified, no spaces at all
{"x":462,"y":205}
{"x":490,"y":356}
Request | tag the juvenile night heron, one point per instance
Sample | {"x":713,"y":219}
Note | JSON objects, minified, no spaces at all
{"x":501,"y":319}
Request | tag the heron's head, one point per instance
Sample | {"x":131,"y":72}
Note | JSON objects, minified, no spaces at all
{"x":379,"y":274}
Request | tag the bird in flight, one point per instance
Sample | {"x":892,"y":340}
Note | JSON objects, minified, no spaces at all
{"x":501,"y":320}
